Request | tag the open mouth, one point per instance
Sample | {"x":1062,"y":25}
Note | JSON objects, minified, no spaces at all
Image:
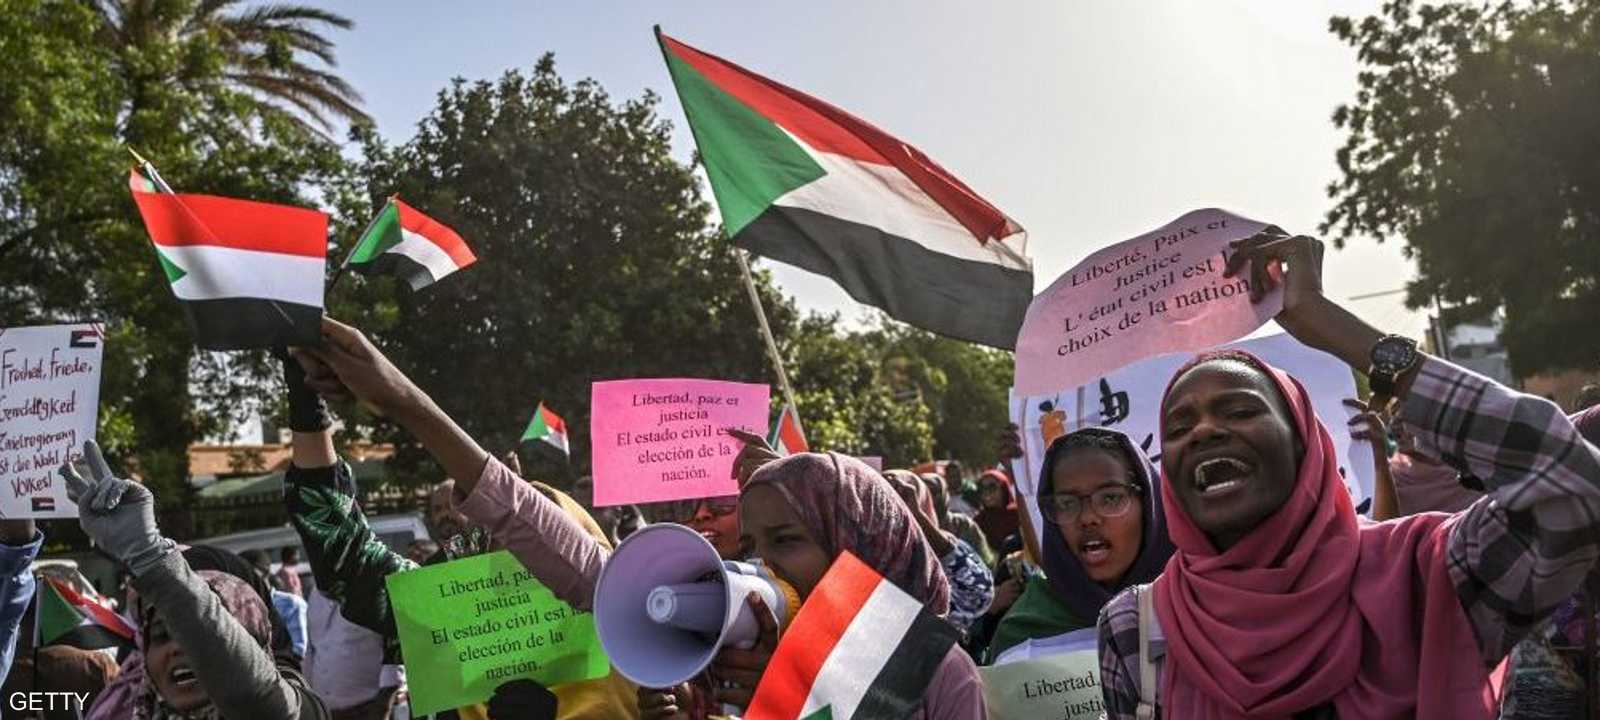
{"x":1219,"y":475}
{"x":182,"y":676}
{"x":1094,"y":551}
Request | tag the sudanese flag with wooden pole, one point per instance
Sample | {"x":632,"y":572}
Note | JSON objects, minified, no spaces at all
{"x":806,"y":183}
{"x":248,"y":274}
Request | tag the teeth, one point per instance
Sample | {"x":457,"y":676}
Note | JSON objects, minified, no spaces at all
{"x":182,"y":674}
{"x":1212,"y":472}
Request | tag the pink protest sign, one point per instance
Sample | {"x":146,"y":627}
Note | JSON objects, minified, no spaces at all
{"x":661,"y":440}
{"x":1160,"y":292}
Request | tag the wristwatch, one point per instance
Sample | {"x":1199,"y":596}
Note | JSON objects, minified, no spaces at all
{"x":1392,"y":357}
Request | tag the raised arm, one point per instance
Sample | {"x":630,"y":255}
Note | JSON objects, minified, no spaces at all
{"x":347,"y":559}
{"x":1516,"y":554}
{"x":19,"y":545}
{"x":551,"y":544}
{"x":236,"y":672}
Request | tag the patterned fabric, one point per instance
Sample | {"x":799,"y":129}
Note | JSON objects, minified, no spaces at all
{"x":16,"y":591}
{"x":971,"y":585}
{"x":846,"y":505}
{"x":1512,"y":557}
{"x":964,"y":528}
{"x":348,"y":561}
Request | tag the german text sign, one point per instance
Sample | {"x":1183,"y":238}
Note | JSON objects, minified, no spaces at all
{"x":661,"y":440}
{"x":1160,"y":292}
{"x":49,"y":401}
{"x":469,"y":625}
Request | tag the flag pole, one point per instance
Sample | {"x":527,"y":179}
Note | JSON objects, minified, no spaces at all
{"x":766,"y":330}
{"x":339,"y":273}
{"x":161,"y":184}
{"x":744,"y":265}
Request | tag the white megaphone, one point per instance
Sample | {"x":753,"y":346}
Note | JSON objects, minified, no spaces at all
{"x":666,"y":603}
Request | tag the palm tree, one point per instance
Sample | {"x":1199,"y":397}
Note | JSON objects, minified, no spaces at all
{"x":275,"y":54}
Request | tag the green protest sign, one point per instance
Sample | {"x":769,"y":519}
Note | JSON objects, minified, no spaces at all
{"x":469,"y":625}
{"x":1057,"y":687}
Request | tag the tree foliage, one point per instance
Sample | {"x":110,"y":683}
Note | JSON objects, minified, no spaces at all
{"x":596,"y":260}
{"x":78,"y":81}
{"x":1471,"y":137}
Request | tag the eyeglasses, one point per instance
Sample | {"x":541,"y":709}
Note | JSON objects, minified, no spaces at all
{"x":1108,"y":502}
{"x":684,"y":510}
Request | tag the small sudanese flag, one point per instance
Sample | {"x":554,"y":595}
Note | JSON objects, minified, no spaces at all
{"x":859,"y":648}
{"x":546,"y":426}
{"x":805,"y":183}
{"x":403,"y":242}
{"x":787,"y":438}
{"x":248,"y":274}
{"x":67,"y":617}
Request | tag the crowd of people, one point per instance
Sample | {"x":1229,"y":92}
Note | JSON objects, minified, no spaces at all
{"x":1235,"y":579}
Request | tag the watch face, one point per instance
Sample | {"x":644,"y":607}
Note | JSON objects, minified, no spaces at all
{"x":1393,"y":353}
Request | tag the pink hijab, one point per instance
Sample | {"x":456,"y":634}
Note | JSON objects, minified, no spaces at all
{"x":1313,"y":608}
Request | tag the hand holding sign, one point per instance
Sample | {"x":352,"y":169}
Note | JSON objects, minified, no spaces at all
{"x":1274,"y":257}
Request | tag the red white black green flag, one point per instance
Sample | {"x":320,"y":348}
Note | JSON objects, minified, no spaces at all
{"x":859,"y":648}
{"x":806,"y":183}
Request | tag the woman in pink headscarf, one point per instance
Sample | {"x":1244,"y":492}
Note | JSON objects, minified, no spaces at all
{"x":1280,"y":602}
{"x":800,"y":513}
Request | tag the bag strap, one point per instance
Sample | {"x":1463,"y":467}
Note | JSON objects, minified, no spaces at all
{"x":1147,"y":666}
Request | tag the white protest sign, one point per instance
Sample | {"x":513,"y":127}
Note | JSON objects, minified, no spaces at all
{"x":1129,"y":400}
{"x":49,"y":401}
{"x":1060,"y":686}
{"x":1160,"y":292}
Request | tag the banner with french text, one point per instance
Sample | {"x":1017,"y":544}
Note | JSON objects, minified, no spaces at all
{"x":1160,"y":292}
{"x":49,"y":403}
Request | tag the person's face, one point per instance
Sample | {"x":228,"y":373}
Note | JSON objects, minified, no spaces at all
{"x":991,"y":493}
{"x":170,"y":672}
{"x":941,"y":498}
{"x":1229,"y":448}
{"x":443,"y":519}
{"x":1106,"y":546}
{"x":717,"y":520}
{"x":776,"y":535}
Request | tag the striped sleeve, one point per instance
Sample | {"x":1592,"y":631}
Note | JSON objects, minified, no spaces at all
{"x":1517,"y":554}
{"x":1119,"y":656}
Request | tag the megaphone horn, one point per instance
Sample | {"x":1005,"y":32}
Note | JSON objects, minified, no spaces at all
{"x":666,"y":603}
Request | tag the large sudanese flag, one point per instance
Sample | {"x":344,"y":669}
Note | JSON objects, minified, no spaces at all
{"x":806,"y":183}
{"x":860,"y":647}
{"x":248,"y":274}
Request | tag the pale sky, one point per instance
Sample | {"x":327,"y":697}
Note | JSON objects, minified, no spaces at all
{"x":1088,"y":122}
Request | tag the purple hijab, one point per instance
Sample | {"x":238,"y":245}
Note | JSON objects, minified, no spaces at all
{"x":846,"y":505}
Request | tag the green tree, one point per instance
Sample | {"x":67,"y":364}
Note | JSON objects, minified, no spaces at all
{"x":1471,"y":137}
{"x":596,"y":260}
{"x":848,"y":400}
{"x":191,"y":87}
{"x":965,"y":387}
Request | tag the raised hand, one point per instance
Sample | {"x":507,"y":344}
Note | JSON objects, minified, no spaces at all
{"x":1273,"y":258}
{"x":756,"y":452}
{"x":349,"y":365}
{"x":118,"y":515}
